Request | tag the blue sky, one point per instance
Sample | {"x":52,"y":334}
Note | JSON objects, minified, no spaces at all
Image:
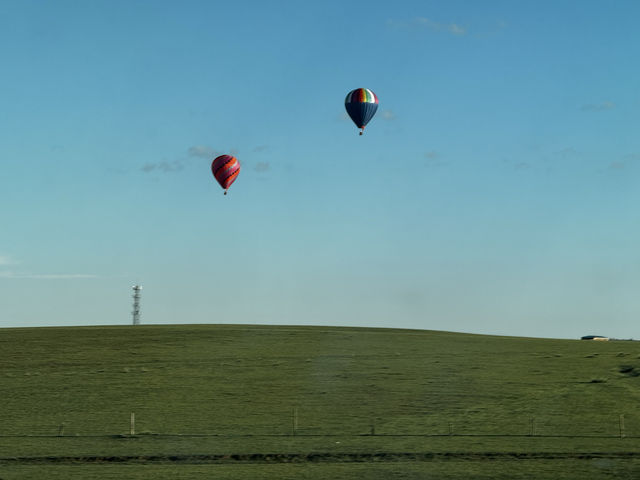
{"x":495,"y":191}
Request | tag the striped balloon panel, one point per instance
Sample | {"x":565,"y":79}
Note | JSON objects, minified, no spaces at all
{"x":226,"y":169}
{"x":361,"y":95}
{"x":361,"y":113}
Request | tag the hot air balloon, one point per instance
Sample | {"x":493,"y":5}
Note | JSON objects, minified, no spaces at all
{"x":361,"y":105}
{"x":226,"y":169}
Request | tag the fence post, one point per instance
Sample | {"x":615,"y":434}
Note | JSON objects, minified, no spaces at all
{"x":531,"y":427}
{"x":133,"y":424}
{"x":622,"y":426}
{"x":61,"y":430}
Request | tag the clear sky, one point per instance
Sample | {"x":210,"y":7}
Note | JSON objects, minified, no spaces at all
{"x":495,"y":191}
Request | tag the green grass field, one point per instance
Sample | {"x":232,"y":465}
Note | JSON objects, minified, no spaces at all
{"x":258,"y":402}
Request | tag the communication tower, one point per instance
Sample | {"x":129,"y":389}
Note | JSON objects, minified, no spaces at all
{"x":136,"y":304}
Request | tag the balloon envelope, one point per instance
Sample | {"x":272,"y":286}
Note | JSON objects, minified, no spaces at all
{"x":361,"y":105}
{"x":226,"y":169}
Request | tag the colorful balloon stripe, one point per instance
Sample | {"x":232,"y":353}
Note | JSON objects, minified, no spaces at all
{"x":361,"y":95}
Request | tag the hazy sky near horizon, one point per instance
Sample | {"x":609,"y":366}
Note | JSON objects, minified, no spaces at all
{"x":495,"y":191}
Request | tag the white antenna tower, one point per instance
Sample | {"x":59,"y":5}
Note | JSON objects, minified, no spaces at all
{"x":136,"y":304}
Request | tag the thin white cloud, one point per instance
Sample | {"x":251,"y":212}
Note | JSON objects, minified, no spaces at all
{"x":6,"y":260}
{"x":199,"y":151}
{"x":598,"y":107}
{"x":262,"y":167}
{"x":456,"y":29}
{"x":164,"y":166}
{"x":47,"y":276}
{"x":485,"y":30}
{"x":63,"y":276}
{"x":567,"y":152}
{"x":627,"y":161}
{"x":433,"y":159}
{"x":388,"y":115}
{"x":617,"y":165}
{"x":429,"y":24}
{"x":516,"y":165}
{"x":203,"y":151}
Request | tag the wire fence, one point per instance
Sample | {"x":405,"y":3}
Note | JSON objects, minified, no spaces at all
{"x":559,"y":426}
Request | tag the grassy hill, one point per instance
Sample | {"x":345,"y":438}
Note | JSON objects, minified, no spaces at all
{"x":240,"y":401}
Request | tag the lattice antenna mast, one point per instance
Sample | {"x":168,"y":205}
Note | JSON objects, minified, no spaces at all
{"x":136,"y":304}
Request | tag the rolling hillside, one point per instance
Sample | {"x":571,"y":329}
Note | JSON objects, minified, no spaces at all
{"x":407,"y":401}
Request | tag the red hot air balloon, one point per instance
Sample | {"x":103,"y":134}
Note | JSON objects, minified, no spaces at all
{"x":226,"y":169}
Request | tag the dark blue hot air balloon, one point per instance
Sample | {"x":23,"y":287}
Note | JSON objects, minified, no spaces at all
{"x":361,"y":105}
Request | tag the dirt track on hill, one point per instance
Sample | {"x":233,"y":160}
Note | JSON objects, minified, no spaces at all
{"x":315,"y":458}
